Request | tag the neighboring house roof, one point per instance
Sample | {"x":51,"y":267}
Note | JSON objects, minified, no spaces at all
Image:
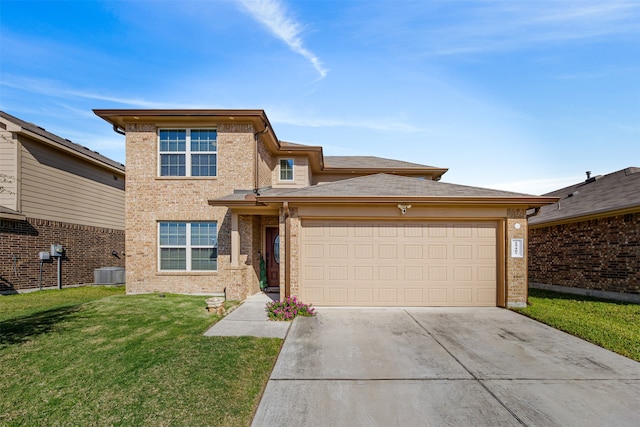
{"x":386,"y":187}
{"x":614,"y":193}
{"x":32,"y":129}
{"x":11,"y":214}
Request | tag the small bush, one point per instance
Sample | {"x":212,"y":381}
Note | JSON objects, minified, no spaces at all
{"x":288,"y":309}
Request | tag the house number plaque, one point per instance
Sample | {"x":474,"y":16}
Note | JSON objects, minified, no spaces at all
{"x":517,"y":248}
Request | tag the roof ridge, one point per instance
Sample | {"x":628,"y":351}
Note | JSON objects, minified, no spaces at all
{"x":400,"y":163}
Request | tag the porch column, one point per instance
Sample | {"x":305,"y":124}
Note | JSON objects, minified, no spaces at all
{"x":235,"y":240}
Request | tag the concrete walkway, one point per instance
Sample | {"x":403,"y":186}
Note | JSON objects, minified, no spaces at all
{"x":444,"y":366}
{"x":250,"y":319}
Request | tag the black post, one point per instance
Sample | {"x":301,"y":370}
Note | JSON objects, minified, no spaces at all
{"x":60,"y":272}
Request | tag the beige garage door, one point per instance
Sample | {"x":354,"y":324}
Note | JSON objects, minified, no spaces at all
{"x":375,"y":263}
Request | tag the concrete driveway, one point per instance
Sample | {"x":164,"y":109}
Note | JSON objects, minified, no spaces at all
{"x":444,"y":366}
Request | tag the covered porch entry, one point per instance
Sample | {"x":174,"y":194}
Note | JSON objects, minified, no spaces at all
{"x":256,"y":245}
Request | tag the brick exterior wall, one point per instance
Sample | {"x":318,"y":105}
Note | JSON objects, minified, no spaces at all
{"x":294,"y":252}
{"x":86,"y":248}
{"x":266,"y":163}
{"x":151,"y":199}
{"x":600,"y":254}
{"x":516,"y":268}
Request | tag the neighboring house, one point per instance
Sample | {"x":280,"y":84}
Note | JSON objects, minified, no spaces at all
{"x":590,"y":238}
{"x":53,"y":191}
{"x":211,"y":193}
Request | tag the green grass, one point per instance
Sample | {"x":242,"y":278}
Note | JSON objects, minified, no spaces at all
{"x":612,"y":325}
{"x":94,"y":356}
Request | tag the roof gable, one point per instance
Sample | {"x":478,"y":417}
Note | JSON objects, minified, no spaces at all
{"x":609,"y":193}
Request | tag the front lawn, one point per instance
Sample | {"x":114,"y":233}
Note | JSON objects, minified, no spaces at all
{"x":94,"y":356}
{"x":612,"y":325}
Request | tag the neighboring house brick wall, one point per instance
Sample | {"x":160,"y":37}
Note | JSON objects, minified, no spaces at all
{"x":86,"y":248}
{"x":601,"y":254}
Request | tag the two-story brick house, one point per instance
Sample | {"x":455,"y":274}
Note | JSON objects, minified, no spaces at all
{"x":212,"y":192}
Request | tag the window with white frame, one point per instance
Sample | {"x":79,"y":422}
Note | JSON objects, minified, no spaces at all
{"x":188,"y":152}
{"x":188,"y":246}
{"x":286,"y":169}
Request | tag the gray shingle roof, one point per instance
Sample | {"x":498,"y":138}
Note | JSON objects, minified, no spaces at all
{"x":368,"y":162}
{"x":61,"y":141}
{"x":386,"y":185}
{"x":615,"y":191}
{"x":4,"y":209}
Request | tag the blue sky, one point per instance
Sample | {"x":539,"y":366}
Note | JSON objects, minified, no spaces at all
{"x":518,"y":95}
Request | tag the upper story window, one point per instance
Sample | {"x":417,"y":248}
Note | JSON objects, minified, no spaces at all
{"x":188,"y":152}
{"x":286,"y":169}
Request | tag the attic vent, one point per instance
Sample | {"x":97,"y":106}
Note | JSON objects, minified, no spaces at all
{"x":575,"y":193}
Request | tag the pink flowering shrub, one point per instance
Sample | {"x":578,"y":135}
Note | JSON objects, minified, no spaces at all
{"x":288,"y":309}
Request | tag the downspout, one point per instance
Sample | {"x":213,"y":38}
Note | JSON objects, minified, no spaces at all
{"x":256,"y":137}
{"x":536,"y":211}
{"x":118,"y":129}
{"x":287,"y":250}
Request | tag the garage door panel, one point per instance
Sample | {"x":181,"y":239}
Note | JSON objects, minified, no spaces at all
{"x":413,"y":230}
{"x":436,"y":252}
{"x":413,"y":273}
{"x":312,"y":293}
{"x":381,"y":263}
{"x":487,"y":296}
{"x":388,"y":295}
{"x":339,"y":295}
{"x":486,"y":274}
{"x":387,"y":230}
{"x":313,"y":251}
{"x":339,"y":251}
{"x":463,"y":295}
{"x":462,"y":252}
{"x":363,"y":251}
{"x":462,"y":274}
{"x":486,"y":252}
{"x":414,"y":295}
{"x":363,"y":272}
{"x":388,"y":273}
{"x":363,"y":295}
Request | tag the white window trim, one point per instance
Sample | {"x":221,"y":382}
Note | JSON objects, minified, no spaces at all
{"x":187,"y":153}
{"x":293,"y":169}
{"x":187,"y":248}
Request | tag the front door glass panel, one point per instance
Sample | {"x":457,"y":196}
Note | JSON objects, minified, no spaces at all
{"x":276,"y":249}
